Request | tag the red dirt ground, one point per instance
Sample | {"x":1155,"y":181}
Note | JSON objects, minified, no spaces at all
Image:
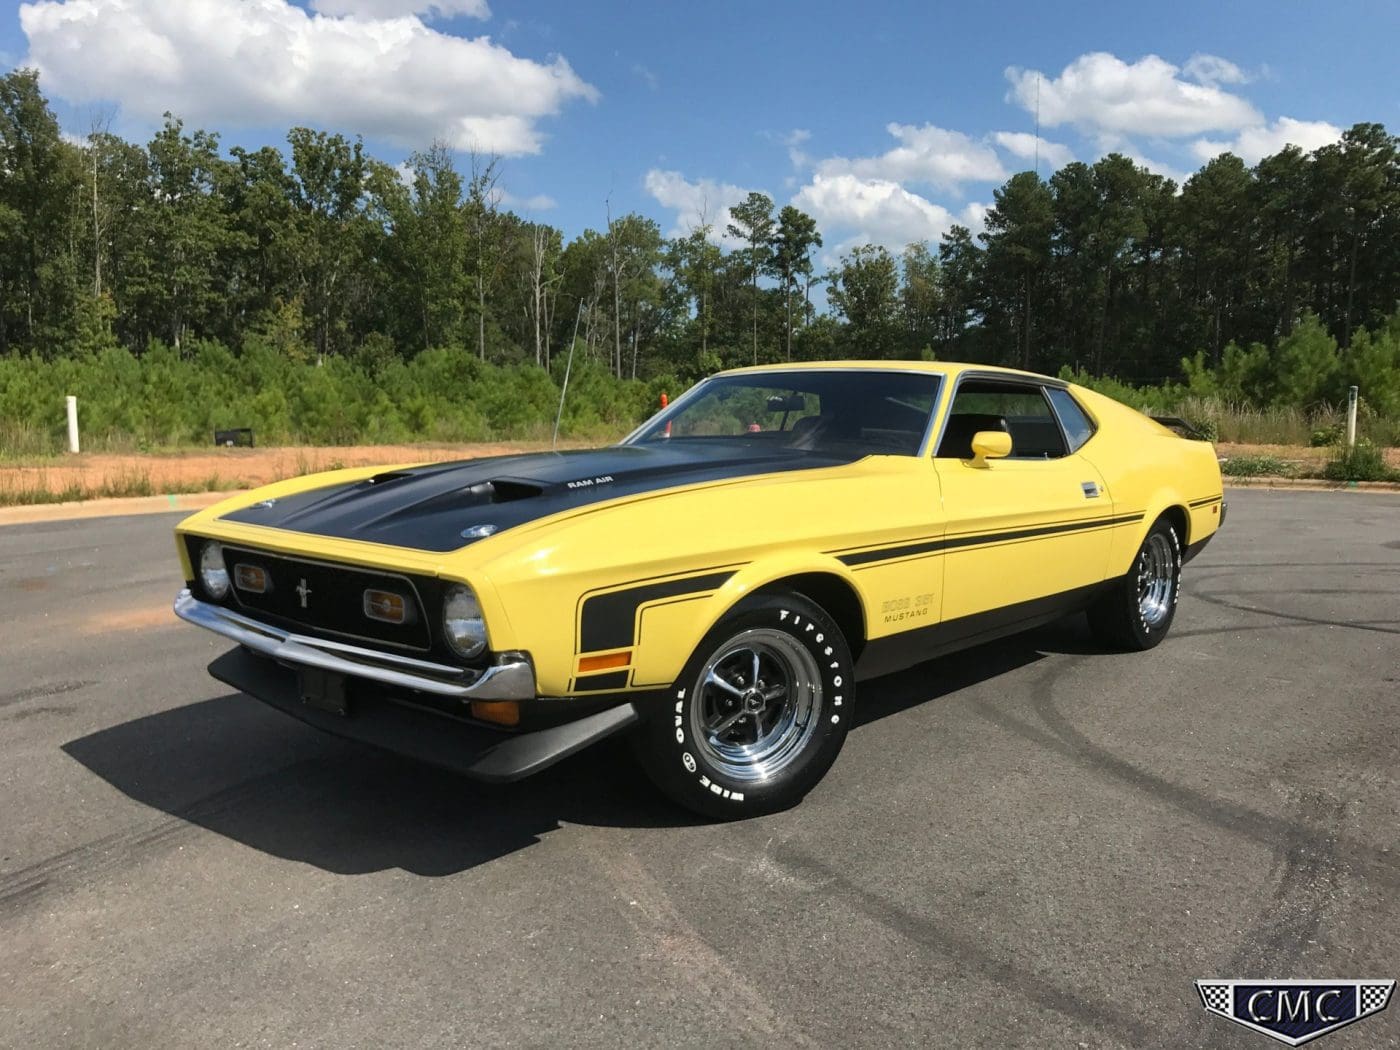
{"x":237,"y":468}
{"x":223,"y":468}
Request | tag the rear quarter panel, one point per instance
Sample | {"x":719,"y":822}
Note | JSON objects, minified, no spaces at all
{"x":1150,"y":470}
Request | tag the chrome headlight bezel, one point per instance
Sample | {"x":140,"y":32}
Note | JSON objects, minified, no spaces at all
{"x":213,"y":574}
{"x":463,"y":624}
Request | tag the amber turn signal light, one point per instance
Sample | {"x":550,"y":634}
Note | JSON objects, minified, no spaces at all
{"x":502,"y":712}
{"x":604,"y":663}
{"x":251,"y":578}
{"x":386,"y":607}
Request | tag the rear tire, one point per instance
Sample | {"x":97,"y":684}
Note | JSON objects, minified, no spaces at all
{"x":1137,"y":610}
{"x":759,"y":713}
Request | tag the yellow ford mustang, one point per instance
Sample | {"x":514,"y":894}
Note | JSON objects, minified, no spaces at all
{"x":716,"y":584}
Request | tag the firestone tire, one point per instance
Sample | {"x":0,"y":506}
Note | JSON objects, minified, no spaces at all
{"x":759,"y":713}
{"x":1137,"y":611}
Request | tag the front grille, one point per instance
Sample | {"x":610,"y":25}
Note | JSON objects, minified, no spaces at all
{"x":329,"y":599}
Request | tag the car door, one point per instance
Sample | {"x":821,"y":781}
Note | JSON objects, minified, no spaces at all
{"x":1024,"y":532}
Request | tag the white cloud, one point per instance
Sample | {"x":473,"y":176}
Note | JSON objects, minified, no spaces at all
{"x":1100,"y":93}
{"x":536,"y":202}
{"x":974,"y":217}
{"x":1253,"y":144}
{"x":269,"y":62}
{"x":925,"y":154}
{"x":1026,"y":146}
{"x":1157,"y":167}
{"x":400,"y":8}
{"x":695,"y":203}
{"x":796,"y":142}
{"x":872,"y":211}
{"x":1213,"y":70}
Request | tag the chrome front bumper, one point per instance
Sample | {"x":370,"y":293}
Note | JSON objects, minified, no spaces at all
{"x":511,"y":677}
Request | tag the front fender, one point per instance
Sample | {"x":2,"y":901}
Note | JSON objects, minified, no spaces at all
{"x":669,"y":630}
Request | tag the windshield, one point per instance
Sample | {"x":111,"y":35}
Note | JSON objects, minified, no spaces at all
{"x":824,"y":410}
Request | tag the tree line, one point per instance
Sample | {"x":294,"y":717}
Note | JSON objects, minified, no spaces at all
{"x":320,"y":251}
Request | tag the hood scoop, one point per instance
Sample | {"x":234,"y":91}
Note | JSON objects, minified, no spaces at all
{"x":506,"y":490}
{"x":458,"y":499}
{"x":388,"y":476}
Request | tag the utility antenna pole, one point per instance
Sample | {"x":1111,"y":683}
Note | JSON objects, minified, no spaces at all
{"x":1037,"y":123}
{"x":564,"y":390}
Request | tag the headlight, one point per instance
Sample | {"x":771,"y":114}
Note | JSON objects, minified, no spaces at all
{"x":212,"y":572}
{"x":462,"y":624}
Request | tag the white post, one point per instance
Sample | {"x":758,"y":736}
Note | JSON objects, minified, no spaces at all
{"x":1351,"y":417}
{"x":72,"y":423}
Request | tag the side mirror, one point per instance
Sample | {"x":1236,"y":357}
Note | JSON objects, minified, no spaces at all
{"x":989,"y":444}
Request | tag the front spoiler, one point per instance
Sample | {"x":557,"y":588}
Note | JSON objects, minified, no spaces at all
{"x":476,"y":751}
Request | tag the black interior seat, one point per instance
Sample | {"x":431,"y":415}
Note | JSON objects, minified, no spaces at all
{"x":1036,"y":437}
{"x":962,"y":428}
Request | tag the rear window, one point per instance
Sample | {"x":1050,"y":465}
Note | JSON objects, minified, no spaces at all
{"x":1078,"y":428}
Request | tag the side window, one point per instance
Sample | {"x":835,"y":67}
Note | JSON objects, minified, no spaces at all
{"x":1077,"y":426}
{"x":1017,"y":409}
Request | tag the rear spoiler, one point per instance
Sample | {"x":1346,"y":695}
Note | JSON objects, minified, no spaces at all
{"x":1181,"y":427}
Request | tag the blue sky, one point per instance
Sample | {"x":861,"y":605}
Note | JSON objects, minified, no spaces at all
{"x":887,"y":121}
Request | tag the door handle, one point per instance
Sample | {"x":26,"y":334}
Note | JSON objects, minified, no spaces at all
{"x":1091,"y":489}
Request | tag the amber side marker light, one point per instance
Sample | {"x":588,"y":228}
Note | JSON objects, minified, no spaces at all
{"x":604,"y":663}
{"x":251,"y":578}
{"x":502,"y":712}
{"x":386,"y":606}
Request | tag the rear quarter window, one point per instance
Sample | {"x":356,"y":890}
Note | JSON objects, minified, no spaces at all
{"x":1077,"y":426}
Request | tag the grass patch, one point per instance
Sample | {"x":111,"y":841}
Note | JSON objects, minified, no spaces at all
{"x":1261,"y":466}
{"x":127,"y":484}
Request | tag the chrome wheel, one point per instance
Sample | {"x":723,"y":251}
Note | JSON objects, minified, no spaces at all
{"x":756,"y":704}
{"x":1156,"y":579}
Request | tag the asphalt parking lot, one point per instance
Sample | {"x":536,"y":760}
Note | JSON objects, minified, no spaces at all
{"x":1033,"y":844}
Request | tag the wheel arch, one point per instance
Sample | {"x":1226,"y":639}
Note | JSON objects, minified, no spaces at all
{"x":836,"y":596}
{"x":1179,"y":517}
{"x":824,"y":581}
{"x":1164,"y":503}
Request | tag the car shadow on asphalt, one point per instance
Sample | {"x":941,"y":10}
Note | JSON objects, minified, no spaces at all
{"x":891,"y":694}
{"x":253,"y":775}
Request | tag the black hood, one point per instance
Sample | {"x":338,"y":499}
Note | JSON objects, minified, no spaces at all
{"x":438,"y":507}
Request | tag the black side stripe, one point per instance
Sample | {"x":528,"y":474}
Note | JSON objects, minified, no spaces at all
{"x":609,"y":621}
{"x":1205,"y":502}
{"x":986,"y":538}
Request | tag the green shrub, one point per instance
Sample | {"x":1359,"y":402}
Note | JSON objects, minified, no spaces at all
{"x":1328,"y":435}
{"x":1363,"y":462}
{"x":162,"y":398}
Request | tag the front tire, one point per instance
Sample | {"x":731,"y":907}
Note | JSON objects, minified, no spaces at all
{"x":759,"y":713}
{"x":1137,"y":610}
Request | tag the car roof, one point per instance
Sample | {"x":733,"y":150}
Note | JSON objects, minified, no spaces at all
{"x":945,"y":368}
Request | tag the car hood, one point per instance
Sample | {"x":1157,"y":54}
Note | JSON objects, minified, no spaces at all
{"x":446,"y":506}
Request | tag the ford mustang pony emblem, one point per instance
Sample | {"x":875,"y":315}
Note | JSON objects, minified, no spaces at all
{"x":303,"y":592}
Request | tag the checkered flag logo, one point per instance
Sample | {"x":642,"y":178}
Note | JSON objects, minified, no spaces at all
{"x":1216,"y":997}
{"x":1374,"y":997}
{"x":1291,"y":1010}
